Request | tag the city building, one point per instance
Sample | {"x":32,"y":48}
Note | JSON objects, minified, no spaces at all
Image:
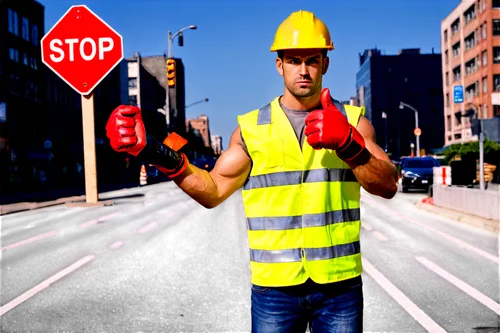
{"x":147,"y":83}
{"x":217,"y":144}
{"x":200,"y":127}
{"x":383,"y":82}
{"x":470,"y":41}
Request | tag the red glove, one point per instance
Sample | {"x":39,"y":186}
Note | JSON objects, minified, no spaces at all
{"x":328,"y":128}
{"x":125,"y":130}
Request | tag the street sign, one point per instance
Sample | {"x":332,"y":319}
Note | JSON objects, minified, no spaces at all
{"x":417,"y":131}
{"x":81,"y":49}
{"x":458,"y":94}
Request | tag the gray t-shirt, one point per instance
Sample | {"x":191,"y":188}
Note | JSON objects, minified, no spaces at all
{"x":297,"y":120}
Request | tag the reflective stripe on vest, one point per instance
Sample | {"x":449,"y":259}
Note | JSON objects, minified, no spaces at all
{"x":302,"y":205}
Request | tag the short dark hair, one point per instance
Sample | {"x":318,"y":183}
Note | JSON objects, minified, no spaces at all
{"x":281,"y":53}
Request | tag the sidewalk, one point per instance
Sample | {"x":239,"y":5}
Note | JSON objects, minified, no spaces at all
{"x":106,"y":198}
{"x":492,"y":225}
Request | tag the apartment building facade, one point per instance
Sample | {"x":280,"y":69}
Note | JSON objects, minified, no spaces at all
{"x":470,"y":44}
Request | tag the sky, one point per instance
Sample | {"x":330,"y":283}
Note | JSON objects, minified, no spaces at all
{"x":227,"y":58}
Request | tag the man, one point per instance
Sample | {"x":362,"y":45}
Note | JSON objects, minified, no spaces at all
{"x":300,"y":160}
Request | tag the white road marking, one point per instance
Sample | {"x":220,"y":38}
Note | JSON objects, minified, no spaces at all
{"x":410,"y":307}
{"x":135,"y":207}
{"x":379,"y":236}
{"x":110,"y":216}
{"x":28,"y":240}
{"x":480,"y":297}
{"x":116,"y":245}
{"x":87,"y":224}
{"x":438,"y":232}
{"x":148,"y":227}
{"x":366,"y":226}
{"x":35,"y":290}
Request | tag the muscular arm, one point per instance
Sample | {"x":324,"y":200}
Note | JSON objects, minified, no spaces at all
{"x":379,"y":175}
{"x":229,"y":173}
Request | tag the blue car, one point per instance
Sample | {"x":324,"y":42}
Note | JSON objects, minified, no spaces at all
{"x":417,"y":172}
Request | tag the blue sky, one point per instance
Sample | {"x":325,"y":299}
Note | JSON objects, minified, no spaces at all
{"x":227,"y":59}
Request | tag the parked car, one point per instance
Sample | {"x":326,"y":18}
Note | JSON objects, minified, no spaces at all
{"x":417,"y":172}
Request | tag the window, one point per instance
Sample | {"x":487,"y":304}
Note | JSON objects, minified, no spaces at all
{"x":496,"y":82}
{"x":471,"y":40}
{"x":496,"y":110}
{"x":484,"y":4}
{"x":34,"y":63}
{"x":13,"y":23}
{"x":447,"y":100}
{"x":496,"y":27}
{"x":456,"y":73}
{"x":446,"y":57}
{"x":496,"y":3}
{"x":133,"y":99}
{"x":26,"y":29}
{"x":445,"y":35}
{"x":455,"y":26}
{"x":14,"y":84}
{"x":448,"y":123}
{"x":472,"y":90}
{"x":455,"y":50}
{"x":471,"y":66}
{"x":132,"y":82}
{"x":485,"y":110}
{"x":34,"y":34}
{"x":447,"y":79}
{"x":485,"y":84}
{"x":14,"y":55}
{"x":470,"y":14}
{"x":483,"y":30}
{"x":25,"y":59}
{"x":485,"y":58}
{"x":496,"y":55}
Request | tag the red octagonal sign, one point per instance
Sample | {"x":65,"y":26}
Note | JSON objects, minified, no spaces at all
{"x":82,"y":49}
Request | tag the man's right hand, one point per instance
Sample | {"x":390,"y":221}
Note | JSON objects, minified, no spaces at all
{"x":125,"y":130}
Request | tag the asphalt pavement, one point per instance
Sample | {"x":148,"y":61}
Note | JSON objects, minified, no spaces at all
{"x":156,"y":261}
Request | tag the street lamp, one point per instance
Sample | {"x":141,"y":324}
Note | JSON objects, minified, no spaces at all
{"x":481,"y":146}
{"x":417,"y":137}
{"x":169,"y":56}
{"x":197,"y":102}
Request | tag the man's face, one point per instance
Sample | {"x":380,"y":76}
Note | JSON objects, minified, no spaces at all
{"x":302,"y":71}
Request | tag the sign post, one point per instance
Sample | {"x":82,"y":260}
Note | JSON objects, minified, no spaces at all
{"x":82,"y":49}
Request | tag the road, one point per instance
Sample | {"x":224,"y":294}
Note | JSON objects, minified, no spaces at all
{"x":156,"y":261}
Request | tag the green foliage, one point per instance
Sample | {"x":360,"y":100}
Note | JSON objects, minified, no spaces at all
{"x":470,"y":150}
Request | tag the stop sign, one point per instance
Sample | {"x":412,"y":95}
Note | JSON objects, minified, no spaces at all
{"x":81,"y":49}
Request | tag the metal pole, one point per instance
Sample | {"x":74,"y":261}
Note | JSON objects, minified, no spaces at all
{"x":417,"y":136}
{"x":481,"y":156}
{"x":167,"y":98}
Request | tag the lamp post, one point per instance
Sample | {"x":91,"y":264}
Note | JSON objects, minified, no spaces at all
{"x":481,"y":147}
{"x":197,"y":102}
{"x":169,"y":56}
{"x":417,"y":137}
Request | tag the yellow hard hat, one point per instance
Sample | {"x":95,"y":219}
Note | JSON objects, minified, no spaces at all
{"x":302,"y":30}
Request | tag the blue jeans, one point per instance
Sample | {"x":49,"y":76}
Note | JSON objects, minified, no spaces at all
{"x":335,"y":307}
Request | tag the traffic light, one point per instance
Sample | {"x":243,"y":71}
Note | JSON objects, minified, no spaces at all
{"x":171,"y":72}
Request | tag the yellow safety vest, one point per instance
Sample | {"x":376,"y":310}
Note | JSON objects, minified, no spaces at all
{"x":302,"y":205}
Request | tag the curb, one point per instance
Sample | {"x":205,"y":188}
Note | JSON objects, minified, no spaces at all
{"x":491,"y":225}
{"x":73,"y":202}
